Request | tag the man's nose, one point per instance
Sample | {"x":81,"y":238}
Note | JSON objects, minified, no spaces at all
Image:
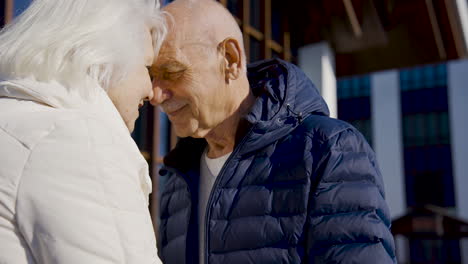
{"x":159,"y":94}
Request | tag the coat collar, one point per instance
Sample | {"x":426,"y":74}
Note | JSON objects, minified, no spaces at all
{"x":57,"y":96}
{"x":285,"y":97}
{"x":51,"y":93}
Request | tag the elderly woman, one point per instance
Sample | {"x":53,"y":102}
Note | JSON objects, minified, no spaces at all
{"x":73,"y":185}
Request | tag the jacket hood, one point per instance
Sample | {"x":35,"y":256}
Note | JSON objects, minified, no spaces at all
{"x":282,"y":90}
{"x":285,"y":97}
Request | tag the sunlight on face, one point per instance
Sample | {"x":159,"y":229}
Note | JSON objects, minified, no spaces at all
{"x":189,"y":86}
{"x":129,"y":94}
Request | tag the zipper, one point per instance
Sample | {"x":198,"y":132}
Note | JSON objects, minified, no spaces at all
{"x":301,"y":117}
{"x":218,"y":179}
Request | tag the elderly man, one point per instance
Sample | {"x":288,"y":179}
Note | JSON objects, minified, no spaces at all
{"x":262,"y":174}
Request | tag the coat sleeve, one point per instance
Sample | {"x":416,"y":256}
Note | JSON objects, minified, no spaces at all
{"x":80,"y":200}
{"x":348,"y":218}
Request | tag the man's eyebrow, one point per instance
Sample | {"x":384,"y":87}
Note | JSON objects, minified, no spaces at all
{"x":172,"y":66}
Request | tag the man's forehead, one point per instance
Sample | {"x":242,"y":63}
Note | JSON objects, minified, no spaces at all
{"x":179,"y":38}
{"x":173,"y":43}
{"x":178,"y":47}
{"x":170,"y":52}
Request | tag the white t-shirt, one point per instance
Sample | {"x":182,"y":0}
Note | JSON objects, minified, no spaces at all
{"x":209,"y":170}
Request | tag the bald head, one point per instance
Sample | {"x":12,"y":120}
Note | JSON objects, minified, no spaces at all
{"x":200,"y":77}
{"x":202,"y":21}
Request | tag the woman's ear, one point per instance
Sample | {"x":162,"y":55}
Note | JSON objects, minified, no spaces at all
{"x":232,"y":56}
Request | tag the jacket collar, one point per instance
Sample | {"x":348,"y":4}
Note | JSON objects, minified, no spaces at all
{"x":282,"y":90}
{"x":50,"y":93}
{"x":285,"y":97}
{"x":55,"y":95}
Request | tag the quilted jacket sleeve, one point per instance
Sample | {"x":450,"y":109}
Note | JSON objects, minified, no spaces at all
{"x":80,"y":200}
{"x":349,"y":221}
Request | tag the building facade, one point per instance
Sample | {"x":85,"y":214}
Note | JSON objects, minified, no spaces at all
{"x":414,"y":117}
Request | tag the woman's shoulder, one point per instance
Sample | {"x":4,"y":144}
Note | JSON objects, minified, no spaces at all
{"x":30,"y":126}
{"x":29,"y":123}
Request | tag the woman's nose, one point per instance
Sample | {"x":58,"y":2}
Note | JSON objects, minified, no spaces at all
{"x":150,"y":95}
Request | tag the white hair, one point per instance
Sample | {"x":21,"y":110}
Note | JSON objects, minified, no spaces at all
{"x":79,"y":43}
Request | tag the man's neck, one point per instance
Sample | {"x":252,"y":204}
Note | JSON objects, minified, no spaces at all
{"x":224,"y":138}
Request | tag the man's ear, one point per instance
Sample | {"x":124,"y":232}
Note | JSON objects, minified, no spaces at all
{"x":232,"y":56}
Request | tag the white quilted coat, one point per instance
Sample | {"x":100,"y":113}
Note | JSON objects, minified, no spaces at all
{"x":73,"y":186}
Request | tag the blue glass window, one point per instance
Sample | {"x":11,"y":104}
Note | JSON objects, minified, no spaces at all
{"x":256,"y":14}
{"x":353,"y":87}
{"x":255,"y":52}
{"x":354,"y":103}
{"x":276,"y":18}
{"x":424,"y":77}
{"x":426,"y":136}
{"x":235,"y":7}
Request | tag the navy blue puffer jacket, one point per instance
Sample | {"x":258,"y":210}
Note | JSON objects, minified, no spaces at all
{"x":300,"y":187}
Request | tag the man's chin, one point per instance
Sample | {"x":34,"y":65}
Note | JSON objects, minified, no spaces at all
{"x":180,"y":131}
{"x":190,"y":131}
{"x":184,"y":133}
{"x":200,"y":133}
